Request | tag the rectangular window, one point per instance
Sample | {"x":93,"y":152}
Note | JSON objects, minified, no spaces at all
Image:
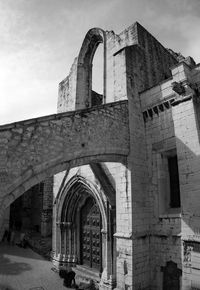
{"x":174,"y":182}
{"x":168,"y":183}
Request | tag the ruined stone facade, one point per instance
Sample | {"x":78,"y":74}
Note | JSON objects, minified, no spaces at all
{"x":124,"y":164}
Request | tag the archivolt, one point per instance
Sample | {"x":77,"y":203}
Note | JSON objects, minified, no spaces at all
{"x":71,"y":195}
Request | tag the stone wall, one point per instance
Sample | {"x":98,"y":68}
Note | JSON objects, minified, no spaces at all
{"x":33,"y":210}
{"x":47,"y":204}
{"x":137,"y":164}
{"x":135,"y":61}
{"x":38,"y":148}
{"x":117,"y":176}
{"x":5,"y":222}
{"x":67,"y":91}
{"x":171,"y":123}
{"x":153,"y":57}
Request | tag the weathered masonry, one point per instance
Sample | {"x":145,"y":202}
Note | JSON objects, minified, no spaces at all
{"x":120,"y":168}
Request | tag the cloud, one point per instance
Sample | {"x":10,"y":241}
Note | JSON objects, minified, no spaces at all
{"x":40,"y":39}
{"x":33,"y":100}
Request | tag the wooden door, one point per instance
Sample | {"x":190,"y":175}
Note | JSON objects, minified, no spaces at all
{"x":90,"y":235}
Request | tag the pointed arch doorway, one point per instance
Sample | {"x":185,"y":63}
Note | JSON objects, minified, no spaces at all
{"x":84,"y":232}
{"x":82,"y":218}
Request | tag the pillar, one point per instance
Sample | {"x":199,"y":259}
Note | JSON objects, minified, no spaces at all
{"x":46,"y":215}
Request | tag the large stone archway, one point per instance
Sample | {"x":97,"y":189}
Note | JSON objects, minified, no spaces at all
{"x":84,"y":231}
{"x":34,"y":149}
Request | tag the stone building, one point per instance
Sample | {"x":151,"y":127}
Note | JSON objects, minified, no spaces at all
{"x":125,"y":190}
{"x":32,"y":211}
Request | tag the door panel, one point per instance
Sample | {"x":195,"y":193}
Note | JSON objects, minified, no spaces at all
{"x":91,"y":235}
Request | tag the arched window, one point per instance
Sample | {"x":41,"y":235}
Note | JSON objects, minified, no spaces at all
{"x":97,"y":77}
{"x":95,"y":38}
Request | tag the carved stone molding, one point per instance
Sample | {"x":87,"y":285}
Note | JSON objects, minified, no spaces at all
{"x":187,"y":253}
{"x":185,"y":91}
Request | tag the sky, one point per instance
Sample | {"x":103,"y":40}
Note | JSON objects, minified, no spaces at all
{"x":39,"y":40}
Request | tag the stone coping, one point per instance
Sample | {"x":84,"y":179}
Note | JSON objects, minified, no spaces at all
{"x":60,"y":115}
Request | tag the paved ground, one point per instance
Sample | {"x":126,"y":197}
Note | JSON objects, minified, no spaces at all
{"x":23,"y":269}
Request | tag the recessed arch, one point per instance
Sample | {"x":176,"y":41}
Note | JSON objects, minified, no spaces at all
{"x":77,"y":183}
{"x":73,"y":224}
{"x":31,"y":178}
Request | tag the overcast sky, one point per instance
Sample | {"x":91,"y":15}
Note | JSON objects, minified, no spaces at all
{"x":39,"y":40}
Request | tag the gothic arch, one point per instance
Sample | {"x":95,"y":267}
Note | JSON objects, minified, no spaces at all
{"x":68,"y":230}
{"x":26,"y":181}
{"x":93,"y":38}
{"x":78,"y":183}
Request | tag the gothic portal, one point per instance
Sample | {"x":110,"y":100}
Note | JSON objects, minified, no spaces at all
{"x":83,"y":229}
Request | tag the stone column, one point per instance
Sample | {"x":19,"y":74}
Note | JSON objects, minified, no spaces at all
{"x":108,"y":279}
{"x":67,"y":240}
{"x":46,"y":215}
{"x":123,"y":235}
{"x":4,"y":218}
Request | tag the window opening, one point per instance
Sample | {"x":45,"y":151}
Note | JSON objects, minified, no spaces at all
{"x":174,"y":182}
{"x":97,"y":77}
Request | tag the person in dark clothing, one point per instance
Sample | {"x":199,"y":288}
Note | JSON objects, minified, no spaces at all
{"x":68,"y":276}
{"x":5,"y":236}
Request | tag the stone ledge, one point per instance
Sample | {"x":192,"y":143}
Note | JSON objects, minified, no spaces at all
{"x":123,"y":235}
{"x":58,"y":116}
{"x":85,"y":275}
{"x":170,"y":215}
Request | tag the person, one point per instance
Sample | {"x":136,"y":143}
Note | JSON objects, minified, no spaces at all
{"x":22,"y":243}
{"x":69,"y":277}
{"x":5,"y":235}
{"x":12,"y":236}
